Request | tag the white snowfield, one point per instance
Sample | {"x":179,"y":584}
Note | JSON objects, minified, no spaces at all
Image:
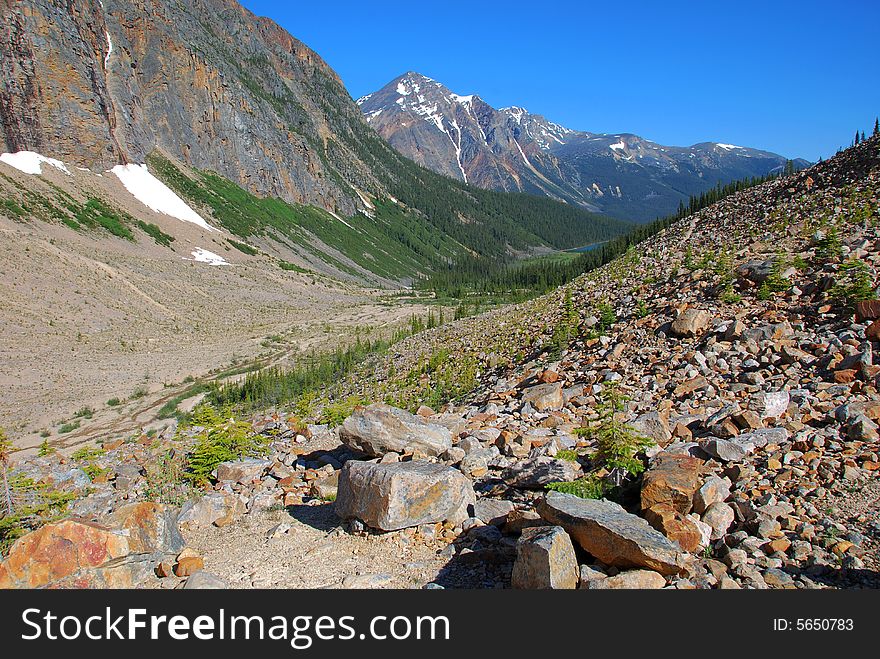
{"x":728,"y":147}
{"x":619,"y":146}
{"x":31,"y":162}
{"x":155,"y":195}
{"x":204,"y":256}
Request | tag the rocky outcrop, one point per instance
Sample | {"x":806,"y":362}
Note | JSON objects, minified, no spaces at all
{"x":673,"y":480}
{"x":119,"y":552}
{"x":248,"y":103}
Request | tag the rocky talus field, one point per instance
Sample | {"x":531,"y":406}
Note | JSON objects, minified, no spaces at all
{"x":700,"y":413}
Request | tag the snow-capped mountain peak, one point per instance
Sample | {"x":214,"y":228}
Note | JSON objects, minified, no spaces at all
{"x":513,"y":149}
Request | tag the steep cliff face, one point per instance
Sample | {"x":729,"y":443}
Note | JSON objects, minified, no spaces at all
{"x":101,"y":83}
{"x":54,"y":91}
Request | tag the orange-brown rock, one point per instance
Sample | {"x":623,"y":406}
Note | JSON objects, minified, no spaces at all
{"x":152,"y":527}
{"x":189,"y":565}
{"x":845,"y":376}
{"x":675,"y":526}
{"x":672,"y":480}
{"x":867,"y":310}
{"x":66,"y":551}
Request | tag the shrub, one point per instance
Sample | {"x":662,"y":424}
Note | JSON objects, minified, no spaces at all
{"x":607,"y":317}
{"x":567,"y":454}
{"x":243,"y":247}
{"x":775,"y":282}
{"x":84,"y":413}
{"x":729,"y":295}
{"x":114,"y":402}
{"x":335,"y":413}
{"x":156,"y":233}
{"x":166,"y":479}
{"x":33,"y":504}
{"x":292,"y":267}
{"x":588,"y":487}
{"x":5,"y":452}
{"x":854,"y":284}
{"x":619,"y":443}
{"x":828,"y":245}
{"x":86,"y":454}
{"x":220,"y":439}
{"x":68,"y":427}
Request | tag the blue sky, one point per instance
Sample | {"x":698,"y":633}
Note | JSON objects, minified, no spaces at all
{"x":796,"y":78}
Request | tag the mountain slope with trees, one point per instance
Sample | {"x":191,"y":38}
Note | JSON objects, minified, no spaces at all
{"x":622,"y":175}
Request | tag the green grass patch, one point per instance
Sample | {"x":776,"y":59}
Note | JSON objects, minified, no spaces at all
{"x":169,"y":409}
{"x":292,"y":267}
{"x":244,"y":248}
{"x":68,"y":427}
{"x":156,"y":233}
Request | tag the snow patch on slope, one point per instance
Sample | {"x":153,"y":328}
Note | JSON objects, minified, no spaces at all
{"x":109,"y":49}
{"x":728,"y":147}
{"x":204,"y":256}
{"x":619,"y":146}
{"x":31,"y":162}
{"x":155,"y":195}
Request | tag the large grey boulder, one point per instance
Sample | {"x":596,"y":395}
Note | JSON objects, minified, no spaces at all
{"x":402,"y":494}
{"x":538,"y":472}
{"x":611,"y":534}
{"x":545,"y":558}
{"x":380,"y":429}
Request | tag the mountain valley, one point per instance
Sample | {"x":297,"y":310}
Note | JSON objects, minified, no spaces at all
{"x":257,"y":334}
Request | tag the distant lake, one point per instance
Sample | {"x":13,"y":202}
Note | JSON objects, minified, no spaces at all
{"x":586,"y":248}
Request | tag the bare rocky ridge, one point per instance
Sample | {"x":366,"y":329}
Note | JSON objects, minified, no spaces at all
{"x":100,"y":93}
{"x":763,"y":411}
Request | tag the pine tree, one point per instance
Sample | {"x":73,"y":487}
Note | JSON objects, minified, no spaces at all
{"x":856,"y":140}
{"x":877,"y":126}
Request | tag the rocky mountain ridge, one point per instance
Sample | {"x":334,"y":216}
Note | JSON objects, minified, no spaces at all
{"x":218,"y":91}
{"x":743,"y":338}
{"x":514,"y":150}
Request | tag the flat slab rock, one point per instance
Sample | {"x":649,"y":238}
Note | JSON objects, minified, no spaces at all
{"x":399,"y":495}
{"x":611,"y":534}
{"x":380,"y":429}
